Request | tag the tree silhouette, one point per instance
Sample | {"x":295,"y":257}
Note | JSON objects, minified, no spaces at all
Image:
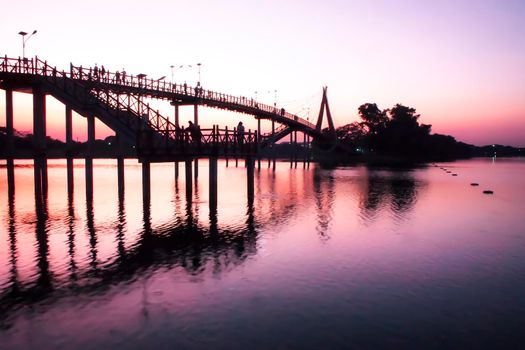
{"x":397,"y":132}
{"x":403,"y":134}
{"x":373,"y":118}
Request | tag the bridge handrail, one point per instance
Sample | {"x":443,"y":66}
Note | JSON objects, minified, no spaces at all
{"x":31,"y":66}
{"x":142,"y":82}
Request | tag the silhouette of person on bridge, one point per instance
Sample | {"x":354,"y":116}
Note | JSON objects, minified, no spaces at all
{"x":195,"y":133}
{"x":240,"y":134}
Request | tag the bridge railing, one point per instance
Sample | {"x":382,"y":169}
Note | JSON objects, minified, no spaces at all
{"x":142,"y":82}
{"x":38,"y":67}
{"x":205,"y":142}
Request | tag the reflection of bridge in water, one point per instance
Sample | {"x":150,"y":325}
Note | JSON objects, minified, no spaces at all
{"x":187,"y":240}
{"x":184,"y":241}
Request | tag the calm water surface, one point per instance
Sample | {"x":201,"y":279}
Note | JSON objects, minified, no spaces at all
{"x":345,"y":258}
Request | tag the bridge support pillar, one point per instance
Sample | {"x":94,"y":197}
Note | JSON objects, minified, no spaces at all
{"x":69,"y":131}
{"x":259,"y":143}
{"x":146,"y":182}
{"x":176,"y":106}
{"x":39,"y":121}
{"x":295,"y":148}
{"x":120,"y":164}
{"x":9,"y":123}
{"x":91,"y":135}
{"x":176,"y":171}
{"x":89,"y":156}
{"x":213,"y":182}
{"x":196,"y":114}
{"x":189,"y":180}
{"x":292,"y":149}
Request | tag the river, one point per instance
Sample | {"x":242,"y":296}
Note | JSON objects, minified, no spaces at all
{"x":351,"y":257}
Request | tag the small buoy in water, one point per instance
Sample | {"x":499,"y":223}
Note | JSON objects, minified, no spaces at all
{"x":474,"y":184}
{"x":488,"y":192}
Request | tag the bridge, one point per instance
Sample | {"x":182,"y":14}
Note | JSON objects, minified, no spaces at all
{"x":117,"y":99}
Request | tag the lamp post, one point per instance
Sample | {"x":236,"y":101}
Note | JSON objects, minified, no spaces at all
{"x":199,"y":68}
{"x":174,"y":69}
{"x":24,"y":40}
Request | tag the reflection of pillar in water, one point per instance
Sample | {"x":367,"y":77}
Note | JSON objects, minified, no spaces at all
{"x":89,"y":178}
{"x":120,"y":176}
{"x":41,"y":230}
{"x":11,"y":179}
{"x":189,"y":180}
{"x":40,"y":179}
{"x":120,"y":227}
{"x":12,"y":220}
{"x":213,"y":183}
{"x":71,"y":228}
{"x":146,"y":181}
{"x":90,"y":220}
{"x":196,"y":167}
{"x":70,"y":176}
{"x":250,"y":178}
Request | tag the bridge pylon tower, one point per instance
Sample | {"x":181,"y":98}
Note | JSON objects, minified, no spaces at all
{"x":325,"y":107}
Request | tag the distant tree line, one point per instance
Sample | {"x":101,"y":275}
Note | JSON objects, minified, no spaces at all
{"x":397,"y":132}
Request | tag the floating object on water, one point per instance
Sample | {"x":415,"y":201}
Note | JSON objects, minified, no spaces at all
{"x":474,"y":184}
{"x":488,"y":192}
{"x":454,"y":174}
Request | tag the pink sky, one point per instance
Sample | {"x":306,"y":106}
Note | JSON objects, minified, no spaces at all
{"x":459,"y":63}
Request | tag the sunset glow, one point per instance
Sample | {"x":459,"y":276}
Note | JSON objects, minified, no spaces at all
{"x":459,"y":63}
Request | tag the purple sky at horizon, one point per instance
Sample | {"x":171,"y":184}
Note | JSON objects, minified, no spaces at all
{"x":459,"y":63}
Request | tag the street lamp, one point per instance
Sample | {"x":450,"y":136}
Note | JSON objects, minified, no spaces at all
{"x":24,"y":40}
{"x":199,"y":65}
{"x":174,"y":69}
